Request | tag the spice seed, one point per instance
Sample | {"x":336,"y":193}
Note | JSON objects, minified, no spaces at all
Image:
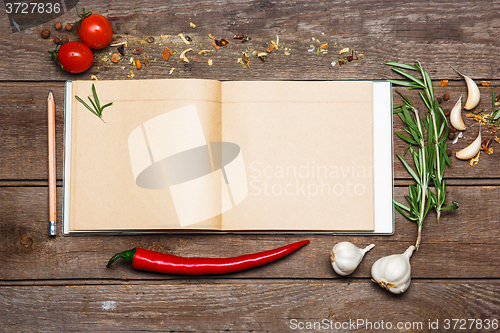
{"x":57,"y":40}
{"x":69,"y":27}
{"x":45,"y":33}
{"x":446,"y":97}
{"x":58,"y":26}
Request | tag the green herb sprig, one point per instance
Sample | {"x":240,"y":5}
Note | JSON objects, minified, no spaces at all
{"x":495,"y":114}
{"x":96,"y":106}
{"x":427,"y":146}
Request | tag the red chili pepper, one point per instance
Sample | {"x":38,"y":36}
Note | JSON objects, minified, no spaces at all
{"x":167,"y":263}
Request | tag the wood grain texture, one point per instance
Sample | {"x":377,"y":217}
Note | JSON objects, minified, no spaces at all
{"x":24,"y":132}
{"x":382,"y":31}
{"x":245,"y":306}
{"x":61,"y":284}
{"x":462,"y":245}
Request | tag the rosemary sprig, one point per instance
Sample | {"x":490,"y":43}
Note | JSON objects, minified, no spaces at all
{"x":428,"y":136}
{"x":96,"y":105}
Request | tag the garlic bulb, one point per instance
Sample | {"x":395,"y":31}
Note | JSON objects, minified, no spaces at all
{"x":456,"y":116}
{"x":345,"y":257}
{"x":471,"y":150}
{"x":394,"y":272}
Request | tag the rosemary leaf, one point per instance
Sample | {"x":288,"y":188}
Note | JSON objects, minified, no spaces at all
{"x":96,"y":107}
{"x":402,"y":65}
{"x":86,"y":105}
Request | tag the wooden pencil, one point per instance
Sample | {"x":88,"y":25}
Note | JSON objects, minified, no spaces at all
{"x":51,"y":125}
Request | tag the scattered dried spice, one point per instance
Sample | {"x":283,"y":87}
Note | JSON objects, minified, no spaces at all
{"x":58,"y":26}
{"x":205,"y":51}
{"x":485,"y":83}
{"x":485,"y":147}
{"x":477,"y":118}
{"x":69,"y":27}
{"x":353,"y":56}
{"x":183,"y":55}
{"x":45,"y":33}
{"x":57,"y":40}
{"x":243,"y":38}
{"x":275,"y":45}
{"x":185,"y":39}
{"x":93,"y":77}
{"x":192,"y":25}
{"x":221,"y":42}
{"x":121,"y":50}
{"x":446,"y":97}
{"x":210,"y":62}
{"x":138,"y":64}
{"x":215,"y":45}
{"x":150,"y":39}
{"x":118,"y":44}
{"x":138,"y":50}
{"x":270,"y":49}
{"x":171,"y":70}
{"x":166,"y":53}
{"x":444,"y":83}
{"x":344,"y":50}
{"x":262,"y":55}
{"x":324,"y":46}
{"x":147,"y":62}
{"x":115,"y":58}
{"x":210,"y":36}
{"x":311,"y":48}
{"x":131,"y":75}
{"x":475,"y":160}
{"x":497,"y":139}
{"x":244,"y":61}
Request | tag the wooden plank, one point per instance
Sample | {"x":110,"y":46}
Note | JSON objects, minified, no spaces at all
{"x":419,"y":30}
{"x":464,"y":244}
{"x":251,"y":306}
{"x":24,"y":132}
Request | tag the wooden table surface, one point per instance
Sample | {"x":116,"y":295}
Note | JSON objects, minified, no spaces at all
{"x":60,"y":284}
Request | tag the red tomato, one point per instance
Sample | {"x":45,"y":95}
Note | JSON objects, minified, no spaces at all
{"x":75,"y":57}
{"x":95,"y":31}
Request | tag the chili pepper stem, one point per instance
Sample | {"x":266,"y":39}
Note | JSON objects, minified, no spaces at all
{"x":127,"y":255}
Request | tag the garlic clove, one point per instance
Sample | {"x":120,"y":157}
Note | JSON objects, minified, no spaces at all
{"x":471,"y":150}
{"x":456,"y":116}
{"x":345,"y":257}
{"x":394,"y":272}
{"x":473,"y":95}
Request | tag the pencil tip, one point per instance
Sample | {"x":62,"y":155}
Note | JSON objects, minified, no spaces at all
{"x":50,"y":90}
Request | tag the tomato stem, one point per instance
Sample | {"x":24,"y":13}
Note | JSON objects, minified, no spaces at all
{"x":54,"y":55}
{"x":82,"y":16}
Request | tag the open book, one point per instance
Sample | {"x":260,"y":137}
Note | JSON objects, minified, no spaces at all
{"x":185,"y":155}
